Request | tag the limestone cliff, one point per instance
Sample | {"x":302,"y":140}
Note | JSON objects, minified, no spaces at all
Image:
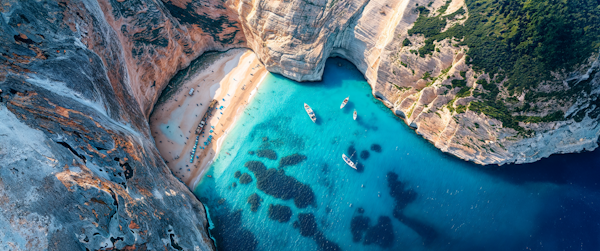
{"x":78,"y":169}
{"x":295,"y":38}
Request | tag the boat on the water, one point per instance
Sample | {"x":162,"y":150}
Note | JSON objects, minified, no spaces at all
{"x":310,"y":112}
{"x":355,"y":115}
{"x":345,"y":102}
{"x":348,"y":161}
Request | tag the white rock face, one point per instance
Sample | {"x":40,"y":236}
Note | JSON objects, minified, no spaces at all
{"x":294,"y":38}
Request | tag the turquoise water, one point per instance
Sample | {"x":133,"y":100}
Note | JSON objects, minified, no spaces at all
{"x":407,"y":196}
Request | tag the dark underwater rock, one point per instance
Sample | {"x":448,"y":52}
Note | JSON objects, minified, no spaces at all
{"x":401,"y":195}
{"x":402,"y":198}
{"x":427,"y":232}
{"x":254,"y":200}
{"x":280,"y":213}
{"x":351,"y":150}
{"x":267,"y":153}
{"x":324,"y":244}
{"x":251,"y":152}
{"x":230,"y":232}
{"x":277,"y":184}
{"x":376,"y":148}
{"x":364,"y":154}
{"x":245,"y":179}
{"x":381,"y":234}
{"x":291,"y":160}
{"x":237,"y":174}
{"x":307,"y":225}
{"x":358,"y":225}
{"x":360,"y":167}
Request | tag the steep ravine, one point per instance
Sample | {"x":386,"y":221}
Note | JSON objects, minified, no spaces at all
{"x":79,"y":170}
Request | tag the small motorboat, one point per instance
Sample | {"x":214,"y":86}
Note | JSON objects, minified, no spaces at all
{"x":310,"y":112}
{"x":348,"y":161}
{"x":355,"y":115}
{"x":345,"y":102}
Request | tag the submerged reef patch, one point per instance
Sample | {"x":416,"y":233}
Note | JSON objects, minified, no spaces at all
{"x":228,"y":226}
{"x":291,"y":160}
{"x":245,"y":179}
{"x":427,"y":232}
{"x":267,"y":153}
{"x":381,"y":234}
{"x":358,"y":226}
{"x":254,"y":200}
{"x":403,"y":197}
{"x":280,"y":213}
{"x":307,"y":225}
{"x":277,"y":131}
{"x":360,"y":167}
{"x":365,"y":154}
{"x":324,"y":244}
{"x":277,"y":184}
{"x":237,"y":174}
{"x":351,"y":150}
{"x":376,"y":148}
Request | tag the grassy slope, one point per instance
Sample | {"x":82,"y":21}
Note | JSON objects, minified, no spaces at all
{"x":520,"y":41}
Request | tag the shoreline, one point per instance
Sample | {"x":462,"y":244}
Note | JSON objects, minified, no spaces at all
{"x":194,"y":182}
{"x":232,"y":79}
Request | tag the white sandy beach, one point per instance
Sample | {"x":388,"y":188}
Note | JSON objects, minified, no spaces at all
{"x":232,"y":80}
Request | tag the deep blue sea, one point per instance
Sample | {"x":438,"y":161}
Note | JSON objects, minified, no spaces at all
{"x":279,"y":182}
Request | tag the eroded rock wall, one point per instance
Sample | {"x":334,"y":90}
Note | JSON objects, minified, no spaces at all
{"x":294,"y":38}
{"x":78,"y":168}
{"x":161,"y":38}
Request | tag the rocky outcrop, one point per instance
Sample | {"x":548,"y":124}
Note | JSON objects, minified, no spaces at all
{"x":158,"y":39}
{"x":294,"y":38}
{"x":78,"y":169}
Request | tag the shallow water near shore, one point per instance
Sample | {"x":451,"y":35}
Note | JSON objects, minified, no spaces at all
{"x":406,"y":195}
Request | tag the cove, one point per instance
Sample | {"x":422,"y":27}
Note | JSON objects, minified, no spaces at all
{"x":406,"y":195}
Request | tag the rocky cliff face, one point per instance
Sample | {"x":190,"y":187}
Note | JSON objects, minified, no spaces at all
{"x":295,"y":38}
{"x":78,"y":169}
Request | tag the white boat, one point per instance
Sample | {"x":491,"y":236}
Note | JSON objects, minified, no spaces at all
{"x":310,"y":112}
{"x":355,"y":115}
{"x":345,"y":102}
{"x":348,"y":161}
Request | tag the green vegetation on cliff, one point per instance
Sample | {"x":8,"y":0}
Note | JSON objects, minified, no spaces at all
{"x":521,"y":41}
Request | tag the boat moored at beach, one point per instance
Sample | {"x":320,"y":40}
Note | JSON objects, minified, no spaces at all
{"x":206,"y":116}
{"x":348,"y":161}
{"x":310,"y":112}
{"x":345,"y":102}
{"x":355,"y":115}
